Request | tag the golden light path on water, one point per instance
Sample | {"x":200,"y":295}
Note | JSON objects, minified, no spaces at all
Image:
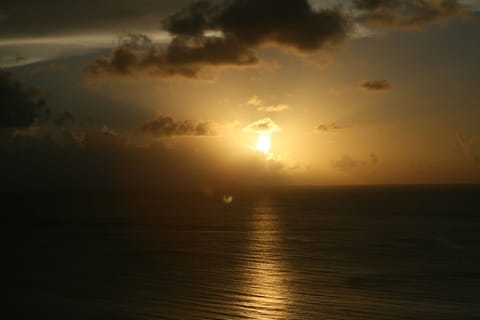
{"x":264,"y":287}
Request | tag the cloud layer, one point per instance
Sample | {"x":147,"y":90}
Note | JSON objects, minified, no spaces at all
{"x":50,"y":17}
{"x":62,"y":17}
{"x":166,"y":127}
{"x":407,"y":14}
{"x":227,"y":33}
{"x":99,"y":157}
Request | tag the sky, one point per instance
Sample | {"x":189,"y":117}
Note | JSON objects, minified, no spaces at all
{"x":212,"y":95}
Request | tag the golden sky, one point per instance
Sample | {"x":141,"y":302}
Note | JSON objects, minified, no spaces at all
{"x":208,"y":94}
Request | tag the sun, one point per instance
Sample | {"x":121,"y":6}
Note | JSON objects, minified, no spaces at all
{"x":263,"y":143}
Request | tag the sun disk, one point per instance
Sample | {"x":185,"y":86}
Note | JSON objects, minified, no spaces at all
{"x":263,"y":144}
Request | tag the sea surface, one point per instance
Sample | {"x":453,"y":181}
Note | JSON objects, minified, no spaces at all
{"x":346,"y":253}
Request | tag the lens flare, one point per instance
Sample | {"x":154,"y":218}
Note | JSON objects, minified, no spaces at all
{"x":227,"y":199}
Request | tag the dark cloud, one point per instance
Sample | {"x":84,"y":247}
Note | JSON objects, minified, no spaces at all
{"x":184,"y":57}
{"x":328,"y":127}
{"x":409,"y":14}
{"x":224,"y":34}
{"x":100,"y":157}
{"x":291,"y":23}
{"x":287,"y":22}
{"x":192,"y":20}
{"x":20,"y":106}
{"x":376,"y":85}
{"x":64,"y":119}
{"x":166,"y":127}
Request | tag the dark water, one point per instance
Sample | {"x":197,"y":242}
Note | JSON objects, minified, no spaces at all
{"x":293,"y":253}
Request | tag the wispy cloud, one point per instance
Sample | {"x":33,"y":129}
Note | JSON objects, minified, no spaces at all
{"x":274,"y":108}
{"x":329,"y":127}
{"x":18,"y":51}
{"x":259,"y":104}
{"x":255,"y":101}
{"x":376,"y":85}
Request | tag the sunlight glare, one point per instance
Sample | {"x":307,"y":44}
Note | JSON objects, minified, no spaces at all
{"x":263,"y":144}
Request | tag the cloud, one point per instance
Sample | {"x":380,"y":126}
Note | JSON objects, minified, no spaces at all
{"x":103,"y":157}
{"x":467,"y":145}
{"x":215,"y":34}
{"x":376,"y":85}
{"x":167,"y":127}
{"x":20,"y":106}
{"x":184,"y":57}
{"x":328,"y":127}
{"x":374,"y":159}
{"x":347,"y":163}
{"x":273,"y":108}
{"x":64,"y":119}
{"x":290,"y":23}
{"x":262,"y":126}
{"x":407,"y":14}
{"x":257,"y":102}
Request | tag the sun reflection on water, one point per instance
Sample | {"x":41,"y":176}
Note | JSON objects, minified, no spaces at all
{"x":265,"y":288}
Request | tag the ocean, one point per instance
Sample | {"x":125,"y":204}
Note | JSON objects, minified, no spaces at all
{"x":338,"y":253}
